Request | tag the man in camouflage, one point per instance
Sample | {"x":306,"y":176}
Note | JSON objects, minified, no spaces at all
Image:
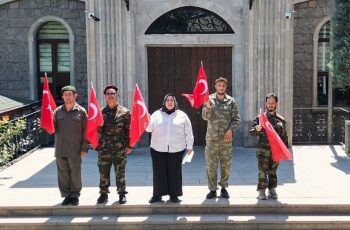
{"x":113,"y":145}
{"x":222,"y":116}
{"x":267,"y":167}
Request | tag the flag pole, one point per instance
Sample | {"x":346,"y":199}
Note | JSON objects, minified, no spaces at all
{"x":202,"y":64}
{"x":260,"y":115}
{"x":92,"y":86}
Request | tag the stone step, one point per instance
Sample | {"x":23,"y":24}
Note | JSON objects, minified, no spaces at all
{"x":170,"y":221}
{"x":176,"y":209}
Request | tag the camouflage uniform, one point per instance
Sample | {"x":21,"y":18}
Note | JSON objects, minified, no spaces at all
{"x":114,"y":139}
{"x":221,"y":117}
{"x":267,"y":167}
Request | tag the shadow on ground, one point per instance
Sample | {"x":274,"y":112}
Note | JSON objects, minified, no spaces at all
{"x":342,"y":160}
{"x":139,"y":170}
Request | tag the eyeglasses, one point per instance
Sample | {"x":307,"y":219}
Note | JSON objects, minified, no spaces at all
{"x":110,"y":94}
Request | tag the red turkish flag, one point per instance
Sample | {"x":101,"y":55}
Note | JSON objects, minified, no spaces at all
{"x":139,"y":117}
{"x":95,"y":119}
{"x":200,"y":92}
{"x":279,"y":150}
{"x":47,"y":107}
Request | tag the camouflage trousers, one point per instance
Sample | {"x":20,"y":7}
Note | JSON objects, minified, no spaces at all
{"x":215,"y":152}
{"x":267,"y":177}
{"x":107,"y":158}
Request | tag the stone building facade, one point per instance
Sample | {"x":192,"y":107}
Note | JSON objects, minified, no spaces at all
{"x":309,"y":18}
{"x":259,"y":52}
{"x":19,"y":22}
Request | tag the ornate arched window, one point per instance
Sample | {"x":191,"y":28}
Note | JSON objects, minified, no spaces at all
{"x":323,"y":55}
{"x":189,"y":20}
{"x":53,"y":57}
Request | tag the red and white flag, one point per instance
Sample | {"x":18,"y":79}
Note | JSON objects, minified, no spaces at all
{"x":47,"y":107}
{"x":95,"y":119}
{"x":279,"y":150}
{"x":139,"y":117}
{"x":200,"y":92}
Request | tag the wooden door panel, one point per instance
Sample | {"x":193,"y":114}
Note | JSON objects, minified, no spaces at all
{"x":175,"y":69}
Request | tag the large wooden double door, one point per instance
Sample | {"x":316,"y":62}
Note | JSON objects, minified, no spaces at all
{"x":175,"y":69}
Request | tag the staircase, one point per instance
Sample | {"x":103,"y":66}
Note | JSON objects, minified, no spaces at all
{"x":310,"y":196}
{"x":174,"y":216}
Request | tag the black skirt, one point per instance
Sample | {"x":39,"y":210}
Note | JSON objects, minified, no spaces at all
{"x":167,"y":173}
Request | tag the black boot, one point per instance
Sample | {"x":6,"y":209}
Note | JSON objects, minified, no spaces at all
{"x":174,"y":199}
{"x":122,"y":199}
{"x":66,"y":201}
{"x":155,"y":199}
{"x":211,"y":195}
{"x":74,"y":201}
{"x":224,"y":193}
{"x":103,"y":198}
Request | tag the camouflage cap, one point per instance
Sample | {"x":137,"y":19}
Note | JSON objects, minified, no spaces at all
{"x":69,"y":88}
{"x":221,"y":79}
{"x":110,"y":87}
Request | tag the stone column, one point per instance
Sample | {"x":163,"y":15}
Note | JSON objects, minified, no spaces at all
{"x":269,"y":61}
{"x":108,"y":42}
{"x":347,"y":136}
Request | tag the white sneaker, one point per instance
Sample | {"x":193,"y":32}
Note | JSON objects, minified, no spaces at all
{"x":262,"y":195}
{"x":272,"y":193}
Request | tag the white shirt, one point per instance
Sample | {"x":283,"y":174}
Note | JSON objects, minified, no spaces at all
{"x":170,"y":132}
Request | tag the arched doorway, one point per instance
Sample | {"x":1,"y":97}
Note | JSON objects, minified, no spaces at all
{"x":174,"y":69}
{"x":323,"y":56}
{"x":53,"y":57}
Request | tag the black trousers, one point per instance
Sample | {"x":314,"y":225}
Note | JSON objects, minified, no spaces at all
{"x":167,"y":173}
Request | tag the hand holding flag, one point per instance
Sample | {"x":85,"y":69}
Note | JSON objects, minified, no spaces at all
{"x":47,"y":107}
{"x":200,"y":92}
{"x":279,"y":150}
{"x":95,"y":119}
{"x":139,"y":117}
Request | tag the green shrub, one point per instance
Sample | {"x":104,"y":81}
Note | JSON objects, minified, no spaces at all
{"x":8,"y":133}
{"x":341,"y":43}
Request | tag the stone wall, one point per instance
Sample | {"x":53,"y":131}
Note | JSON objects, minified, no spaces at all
{"x":307,"y":15}
{"x":16,"y":18}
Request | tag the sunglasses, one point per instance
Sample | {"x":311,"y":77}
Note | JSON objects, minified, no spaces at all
{"x":110,"y":94}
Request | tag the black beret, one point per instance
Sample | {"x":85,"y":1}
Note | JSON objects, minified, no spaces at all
{"x":69,"y":88}
{"x":110,"y":87}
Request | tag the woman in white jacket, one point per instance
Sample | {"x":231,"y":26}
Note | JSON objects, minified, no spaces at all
{"x":172,"y":137}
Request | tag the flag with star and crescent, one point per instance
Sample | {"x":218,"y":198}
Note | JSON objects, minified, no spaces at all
{"x":139,"y":117}
{"x":279,"y":150}
{"x":47,"y":107}
{"x":200,"y":93}
{"x":95,"y":119}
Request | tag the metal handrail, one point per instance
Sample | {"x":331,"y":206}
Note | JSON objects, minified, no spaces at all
{"x":29,"y":138}
{"x":310,"y":125}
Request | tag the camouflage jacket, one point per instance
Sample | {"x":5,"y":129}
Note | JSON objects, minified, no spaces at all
{"x":277,"y":122}
{"x":221,"y":116}
{"x":116,"y":127}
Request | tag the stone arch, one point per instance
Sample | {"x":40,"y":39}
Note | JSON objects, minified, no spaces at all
{"x":315,"y":56}
{"x":189,"y":20}
{"x":32,"y":51}
{"x":7,"y":1}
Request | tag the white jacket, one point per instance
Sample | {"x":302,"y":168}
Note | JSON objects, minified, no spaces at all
{"x":170,"y":132}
